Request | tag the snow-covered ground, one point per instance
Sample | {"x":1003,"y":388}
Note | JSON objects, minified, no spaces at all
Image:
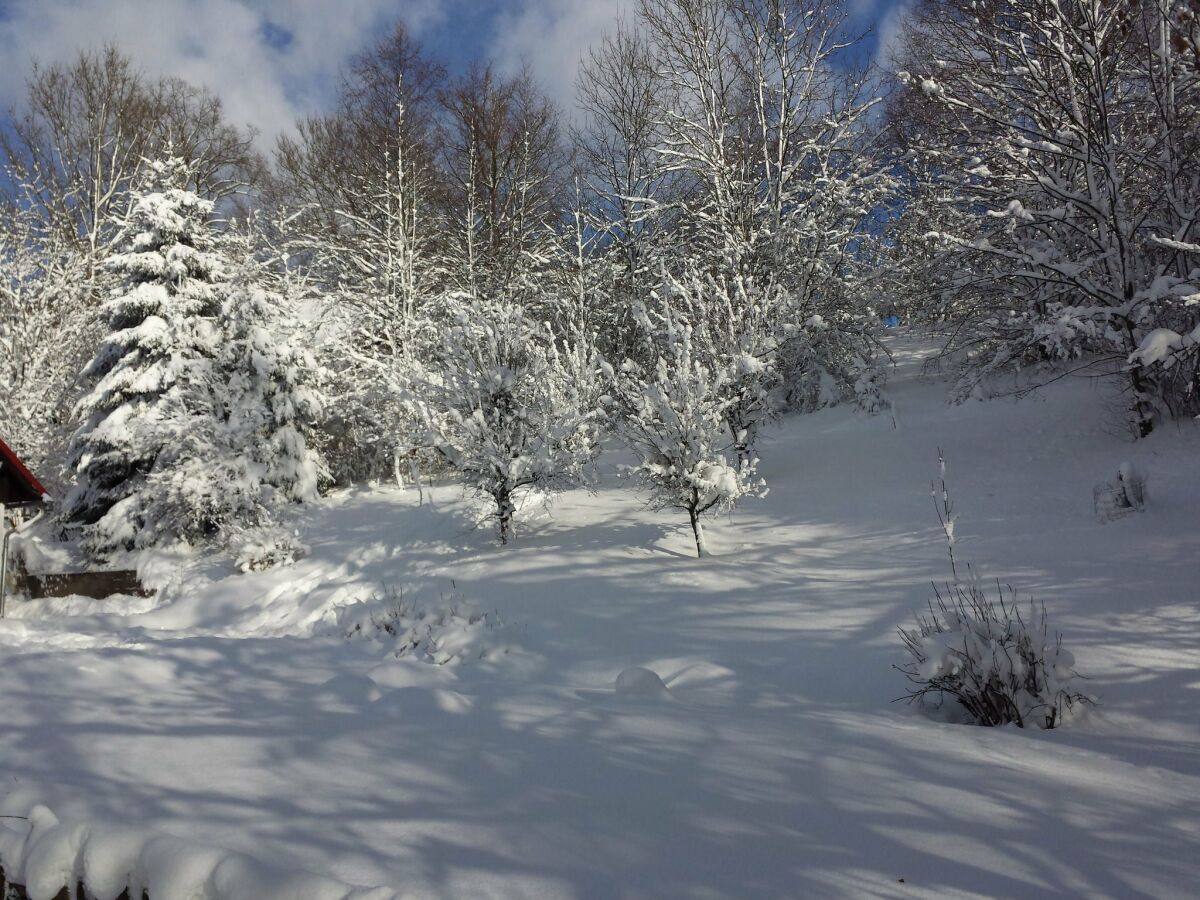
{"x":234,"y":714}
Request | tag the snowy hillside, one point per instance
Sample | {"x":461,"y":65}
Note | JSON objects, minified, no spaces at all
{"x":233,"y":712}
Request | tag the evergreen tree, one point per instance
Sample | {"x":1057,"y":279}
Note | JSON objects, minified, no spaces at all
{"x":197,"y":420}
{"x":153,"y":372}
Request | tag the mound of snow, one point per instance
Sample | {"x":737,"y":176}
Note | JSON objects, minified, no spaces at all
{"x":346,"y":690}
{"x":638,"y":681}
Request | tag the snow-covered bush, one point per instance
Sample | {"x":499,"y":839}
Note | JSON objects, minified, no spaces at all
{"x":502,"y":407}
{"x":672,"y":412}
{"x":1001,"y":667}
{"x":442,"y":633}
{"x":981,"y":651}
{"x":267,"y":547}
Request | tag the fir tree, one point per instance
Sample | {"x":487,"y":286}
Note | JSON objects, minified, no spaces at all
{"x":153,"y":372}
{"x":198,"y":421}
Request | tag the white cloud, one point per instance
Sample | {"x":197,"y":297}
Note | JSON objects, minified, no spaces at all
{"x":890,"y":30}
{"x":552,"y":36}
{"x":217,"y":43}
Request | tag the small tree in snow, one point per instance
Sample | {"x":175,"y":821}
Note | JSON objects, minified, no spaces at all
{"x":501,"y":408}
{"x":672,"y":411}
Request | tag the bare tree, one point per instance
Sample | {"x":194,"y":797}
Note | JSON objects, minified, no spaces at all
{"x":1071,"y":129}
{"x":507,"y":167}
{"x":79,"y":142}
{"x":617,"y":143}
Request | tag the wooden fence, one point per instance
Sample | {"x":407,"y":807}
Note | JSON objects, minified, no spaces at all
{"x":87,"y":584}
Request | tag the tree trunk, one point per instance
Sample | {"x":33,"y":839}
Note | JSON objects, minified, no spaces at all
{"x":1143,"y":409}
{"x":505,"y":514}
{"x":698,"y":533}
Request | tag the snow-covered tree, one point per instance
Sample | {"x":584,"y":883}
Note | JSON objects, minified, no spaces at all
{"x":46,"y":332}
{"x":254,"y":454}
{"x":736,"y":329}
{"x":502,"y":405}
{"x":671,"y":408}
{"x":76,"y":143}
{"x":155,"y":372}
{"x":195,"y":420}
{"x":1071,"y":131}
{"x":758,"y":182}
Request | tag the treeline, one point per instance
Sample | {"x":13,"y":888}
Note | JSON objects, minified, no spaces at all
{"x":446,"y":271}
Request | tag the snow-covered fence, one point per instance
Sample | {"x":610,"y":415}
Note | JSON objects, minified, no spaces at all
{"x":11,"y":891}
{"x":42,"y":858}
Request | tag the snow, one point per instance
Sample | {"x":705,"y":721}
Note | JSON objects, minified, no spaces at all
{"x":638,"y":681}
{"x":1162,"y":344}
{"x":233,"y":737}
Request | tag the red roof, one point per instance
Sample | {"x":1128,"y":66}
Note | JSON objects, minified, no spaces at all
{"x":9,"y":459}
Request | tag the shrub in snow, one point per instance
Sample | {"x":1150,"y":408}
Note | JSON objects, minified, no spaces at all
{"x":267,"y":547}
{"x":1001,"y":667}
{"x":982,"y":652}
{"x":672,"y":412}
{"x":447,"y":632}
{"x":503,"y":408}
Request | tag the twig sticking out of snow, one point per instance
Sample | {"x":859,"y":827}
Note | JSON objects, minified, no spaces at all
{"x":945,"y":510}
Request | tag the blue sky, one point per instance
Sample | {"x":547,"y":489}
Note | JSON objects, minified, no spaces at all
{"x":274,"y":60}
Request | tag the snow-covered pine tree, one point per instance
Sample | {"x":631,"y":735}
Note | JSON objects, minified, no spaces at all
{"x":195,"y":422}
{"x":255,"y":454}
{"x":154,"y":373}
{"x":275,"y":391}
{"x":672,"y":411}
{"x":502,"y":406}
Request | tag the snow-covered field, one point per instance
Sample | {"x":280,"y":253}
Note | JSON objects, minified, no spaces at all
{"x":233,"y":713}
